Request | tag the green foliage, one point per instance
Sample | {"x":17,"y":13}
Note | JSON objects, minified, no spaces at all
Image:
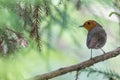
{"x":107,"y":73}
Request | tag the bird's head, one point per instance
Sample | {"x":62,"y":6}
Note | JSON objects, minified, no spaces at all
{"x":90,"y":24}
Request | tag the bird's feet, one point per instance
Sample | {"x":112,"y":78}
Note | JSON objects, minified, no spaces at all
{"x":102,"y":50}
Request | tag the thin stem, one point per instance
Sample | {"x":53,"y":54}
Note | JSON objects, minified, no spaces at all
{"x":77,"y":74}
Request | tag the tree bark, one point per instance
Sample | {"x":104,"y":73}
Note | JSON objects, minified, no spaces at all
{"x":77,"y":67}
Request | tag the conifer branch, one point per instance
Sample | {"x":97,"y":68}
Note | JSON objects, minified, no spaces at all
{"x":77,"y":67}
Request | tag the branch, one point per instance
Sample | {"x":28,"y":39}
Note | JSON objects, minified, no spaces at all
{"x":77,"y":67}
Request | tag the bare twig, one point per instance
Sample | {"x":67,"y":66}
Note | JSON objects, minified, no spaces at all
{"x":79,"y":66}
{"x":77,"y":74}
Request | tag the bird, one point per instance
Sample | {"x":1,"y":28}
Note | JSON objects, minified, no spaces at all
{"x":96,"y":37}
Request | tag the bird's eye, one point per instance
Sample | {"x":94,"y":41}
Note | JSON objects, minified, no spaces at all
{"x":88,"y":23}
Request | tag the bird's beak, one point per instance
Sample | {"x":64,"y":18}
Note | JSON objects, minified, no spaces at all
{"x":81,"y":26}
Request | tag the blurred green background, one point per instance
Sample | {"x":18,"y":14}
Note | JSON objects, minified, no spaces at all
{"x":63,"y":43}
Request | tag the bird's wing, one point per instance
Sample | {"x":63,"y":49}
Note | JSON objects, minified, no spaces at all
{"x":96,"y":38}
{"x":92,"y":41}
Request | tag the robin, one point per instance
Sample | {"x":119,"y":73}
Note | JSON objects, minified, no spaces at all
{"x":96,"y":37}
